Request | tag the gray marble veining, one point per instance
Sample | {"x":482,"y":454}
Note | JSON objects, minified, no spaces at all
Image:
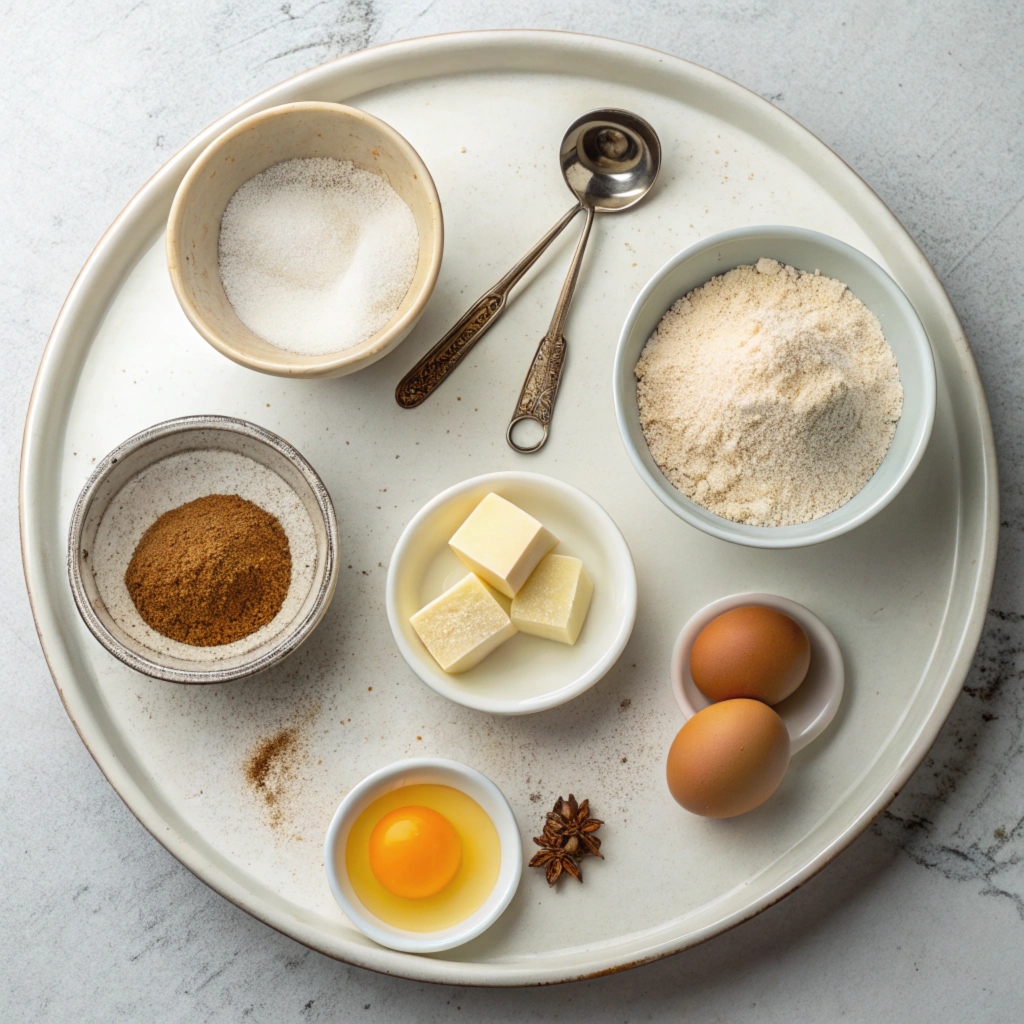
{"x":922,"y":919}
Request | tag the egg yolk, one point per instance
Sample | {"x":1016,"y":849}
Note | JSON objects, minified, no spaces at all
{"x":414,"y":852}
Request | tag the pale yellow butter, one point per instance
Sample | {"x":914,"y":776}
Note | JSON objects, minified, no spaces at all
{"x":501,"y":543}
{"x":555,"y":599}
{"x":462,"y":626}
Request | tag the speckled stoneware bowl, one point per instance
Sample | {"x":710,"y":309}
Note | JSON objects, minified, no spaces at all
{"x":195,"y":442}
{"x":809,"y":251}
{"x":309,"y":129}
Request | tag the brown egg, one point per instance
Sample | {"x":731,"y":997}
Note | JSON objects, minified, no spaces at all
{"x":751,"y":652}
{"x":728,"y":759}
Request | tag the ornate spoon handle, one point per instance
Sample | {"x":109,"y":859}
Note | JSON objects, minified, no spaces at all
{"x":540,"y":389}
{"x":423,"y":379}
{"x":419,"y":383}
{"x":537,"y":399}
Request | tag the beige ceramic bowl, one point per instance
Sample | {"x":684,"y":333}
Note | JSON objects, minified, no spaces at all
{"x":247,"y":149}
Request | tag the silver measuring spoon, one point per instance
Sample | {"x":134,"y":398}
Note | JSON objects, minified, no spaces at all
{"x":610,"y":159}
{"x":615,"y":182}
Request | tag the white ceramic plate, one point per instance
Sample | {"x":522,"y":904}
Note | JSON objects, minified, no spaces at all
{"x":526,"y":674}
{"x":905,"y":594}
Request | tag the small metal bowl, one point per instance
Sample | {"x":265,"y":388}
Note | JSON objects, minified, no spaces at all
{"x":159,"y":442}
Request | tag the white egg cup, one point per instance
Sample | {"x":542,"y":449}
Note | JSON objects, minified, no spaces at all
{"x":807,"y":712}
{"x":415,"y":772}
{"x":526,"y":674}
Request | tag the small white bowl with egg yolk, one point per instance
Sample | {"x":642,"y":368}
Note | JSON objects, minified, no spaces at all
{"x":490,"y":862}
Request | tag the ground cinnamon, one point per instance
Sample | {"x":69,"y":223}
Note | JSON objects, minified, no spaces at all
{"x":268,"y":758}
{"x":270,"y":772}
{"x":211,"y":571}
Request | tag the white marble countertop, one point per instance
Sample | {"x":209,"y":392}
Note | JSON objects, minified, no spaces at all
{"x":921,"y":919}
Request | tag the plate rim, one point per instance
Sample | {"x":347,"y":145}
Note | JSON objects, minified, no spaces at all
{"x":600,"y":960}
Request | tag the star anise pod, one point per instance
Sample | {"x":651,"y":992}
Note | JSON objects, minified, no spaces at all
{"x":573,"y":827}
{"x":554,"y":862}
{"x":568,"y":835}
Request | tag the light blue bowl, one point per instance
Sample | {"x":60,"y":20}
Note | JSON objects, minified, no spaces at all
{"x":809,"y":251}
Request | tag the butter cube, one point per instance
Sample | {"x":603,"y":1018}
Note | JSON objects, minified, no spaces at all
{"x":457,"y":575}
{"x":554,"y":601}
{"x":501,"y":543}
{"x":462,"y":626}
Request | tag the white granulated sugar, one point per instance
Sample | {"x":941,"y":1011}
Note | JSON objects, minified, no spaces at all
{"x":769,"y":396}
{"x":173,"y":482}
{"x":316,"y":255}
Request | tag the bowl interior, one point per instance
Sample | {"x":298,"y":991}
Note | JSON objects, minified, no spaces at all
{"x":808,"y":251}
{"x":527,"y":673}
{"x":412,"y":773}
{"x":282,"y":133}
{"x":302,"y":609}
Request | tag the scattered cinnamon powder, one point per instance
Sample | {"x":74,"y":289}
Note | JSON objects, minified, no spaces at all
{"x":211,"y":571}
{"x":269,"y":766}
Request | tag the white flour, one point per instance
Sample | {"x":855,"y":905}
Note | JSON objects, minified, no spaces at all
{"x":316,"y":255}
{"x":769,"y":396}
{"x":172,"y":482}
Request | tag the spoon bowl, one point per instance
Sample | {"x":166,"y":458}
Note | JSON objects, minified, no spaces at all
{"x":610,"y":159}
